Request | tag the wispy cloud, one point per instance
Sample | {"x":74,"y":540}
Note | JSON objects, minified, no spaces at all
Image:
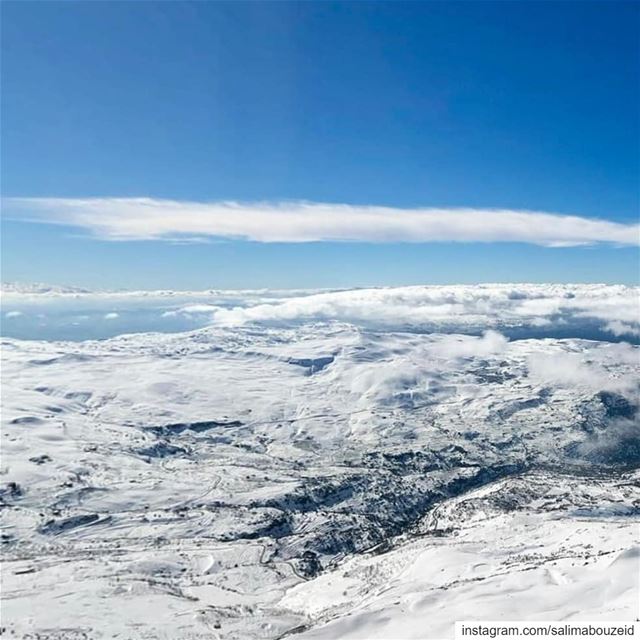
{"x":153,"y":219}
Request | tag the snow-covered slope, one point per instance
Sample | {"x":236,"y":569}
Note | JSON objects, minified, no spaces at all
{"x":539,"y":546}
{"x":327,"y":479}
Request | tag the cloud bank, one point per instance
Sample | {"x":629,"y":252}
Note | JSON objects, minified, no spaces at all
{"x":521,"y":310}
{"x":615,"y":308}
{"x":154,"y":219}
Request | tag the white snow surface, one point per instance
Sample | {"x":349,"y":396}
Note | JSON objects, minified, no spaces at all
{"x":326,"y":479}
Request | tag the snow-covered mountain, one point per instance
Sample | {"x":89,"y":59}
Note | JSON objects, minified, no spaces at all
{"x":329,"y":475}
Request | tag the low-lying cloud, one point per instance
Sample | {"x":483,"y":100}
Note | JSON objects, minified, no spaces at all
{"x":595,"y":311}
{"x":615,"y":308}
{"x":573,"y":370}
{"x":154,"y":219}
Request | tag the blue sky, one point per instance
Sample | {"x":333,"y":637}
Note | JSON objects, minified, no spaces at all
{"x":508,"y":105}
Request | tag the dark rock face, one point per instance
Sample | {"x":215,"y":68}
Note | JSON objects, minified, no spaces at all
{"x":613,"y":425}
{"x":313,"y":365}
{"x":616,"y":405}
{"x":195,"y":427}
{"x":617,"y":446}
{"x":55,"y":527}
{"x":308,"y":565}
{"x":161,"y":450}
{"x":10,"y":492}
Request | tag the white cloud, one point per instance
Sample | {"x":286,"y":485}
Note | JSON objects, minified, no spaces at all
{"x":490,"y":343}
{"x":615,"y":354}
{"x":540,"y":322}
{"x":191,"y":309}
{"x":451,"y":307}
{"x":574,"y":370}
{"x":618,"y":328}
{"x":111,"y":316}
{"x":579,"y":308}
{"x":13,"y":314}
{"x":152,"y":219}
